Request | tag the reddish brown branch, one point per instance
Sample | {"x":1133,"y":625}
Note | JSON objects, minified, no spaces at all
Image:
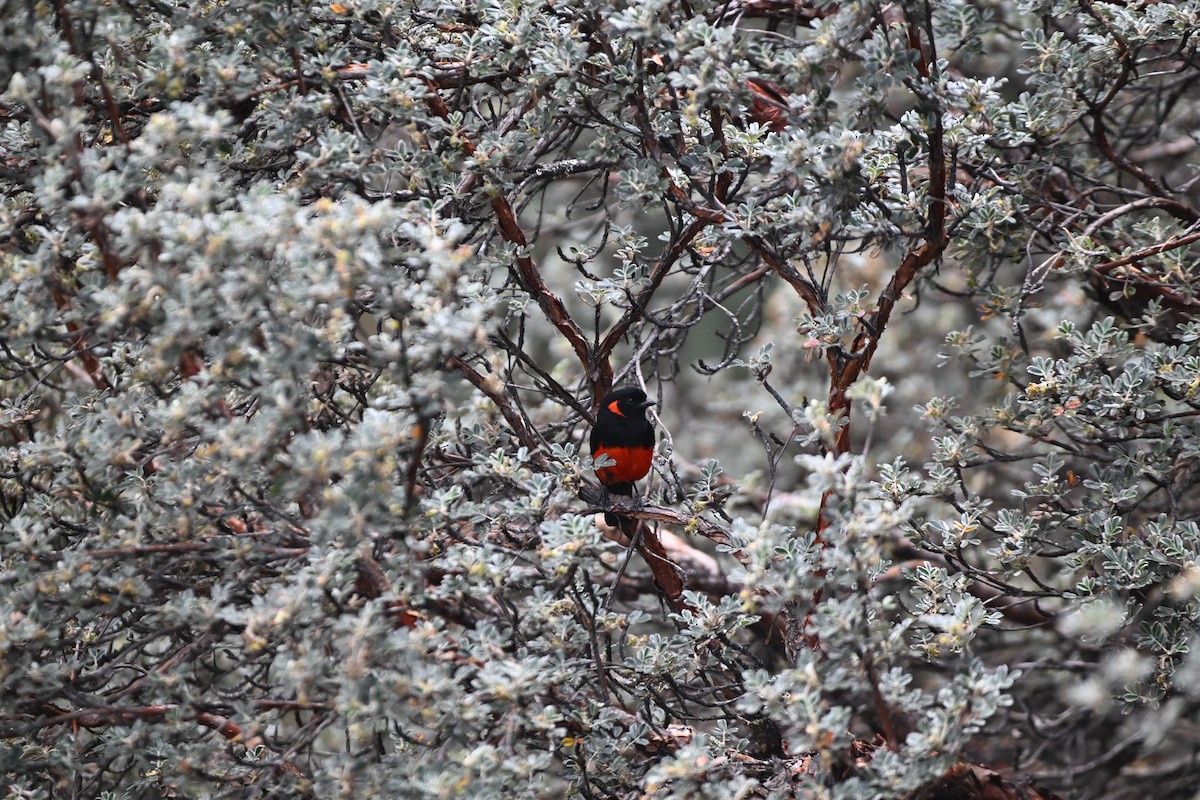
{"x":796,"y":10}
{"x":79,"y":344}
{"x":414,"y":464}
{"x":1162,"y":247}
{"x":373,"y":583}
{"x":807,"y":292}
{"x":678,"y":246}
{"x":845,"y":371}
{"x":110,"y":104}
{"x":666,"y":574}
{"x":881,"y":706}
{"x":526,"y":272}
{"x":768,"y":105}
{"x":972,"y":782}
{"x":845,"y":368}
{"x":525,"y":433}
{"x":105,"y":716}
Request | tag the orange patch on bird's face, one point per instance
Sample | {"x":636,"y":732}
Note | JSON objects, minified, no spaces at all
{"x":632,"y":464}
{"x":614,"y":408}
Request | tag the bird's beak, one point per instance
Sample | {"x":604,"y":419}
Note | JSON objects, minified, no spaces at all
{"x":647,"y":404}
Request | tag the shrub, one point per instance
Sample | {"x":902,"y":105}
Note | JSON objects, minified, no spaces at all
{"x":306,"y":308}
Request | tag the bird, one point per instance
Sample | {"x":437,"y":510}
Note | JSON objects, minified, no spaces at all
{"x":623,"y":434}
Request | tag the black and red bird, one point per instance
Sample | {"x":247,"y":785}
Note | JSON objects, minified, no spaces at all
{"x":623,"y":433}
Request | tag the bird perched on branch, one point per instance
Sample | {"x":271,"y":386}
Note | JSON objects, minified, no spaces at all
{"x":623,"y":434}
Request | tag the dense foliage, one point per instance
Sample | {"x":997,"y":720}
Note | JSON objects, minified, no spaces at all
{"x":305,"y":308}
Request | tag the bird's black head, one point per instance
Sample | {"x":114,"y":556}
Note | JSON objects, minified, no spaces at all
{"x":629,"y":402}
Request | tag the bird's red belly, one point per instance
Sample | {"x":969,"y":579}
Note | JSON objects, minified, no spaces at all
{"x":632,"y":464}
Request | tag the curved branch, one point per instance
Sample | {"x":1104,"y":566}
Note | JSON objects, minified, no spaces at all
{"x":524,"y":432}
{"x":526,"y":272}
{"x":638,"y":308}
